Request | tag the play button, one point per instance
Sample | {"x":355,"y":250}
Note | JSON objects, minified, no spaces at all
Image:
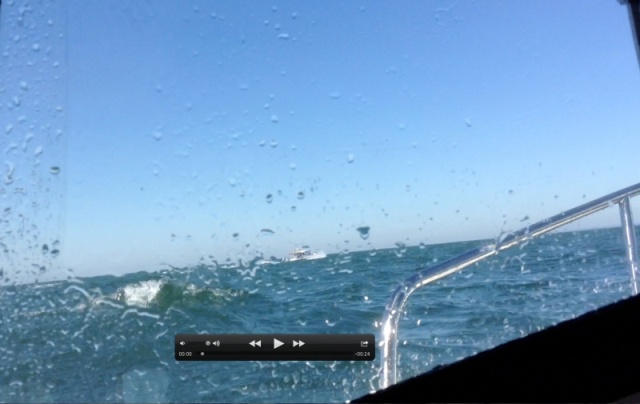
{"x":277,"y":344}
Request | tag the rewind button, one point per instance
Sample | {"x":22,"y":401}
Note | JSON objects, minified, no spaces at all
{"x":255,"y":343}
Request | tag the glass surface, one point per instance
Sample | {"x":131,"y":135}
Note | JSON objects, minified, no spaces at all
{"x":161,"y":159}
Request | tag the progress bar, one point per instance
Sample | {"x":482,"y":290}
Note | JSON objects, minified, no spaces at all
{"x":275,"y":347}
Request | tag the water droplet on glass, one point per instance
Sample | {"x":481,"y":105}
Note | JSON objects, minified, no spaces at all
{"x":274,"y":118}
{"x":35,"y":47}
{"x":467,"y":122}
{"x":157,"y":135}
{"x":284,"y":36}
{"x":233,"y":182}
{"x":9,"y":175}
{"x":292,"y":166}
{"x":269,"y":198}
{"x":54,"y":170}
{"x":510,"y":192}
{"x":364,"y":232}
{"x":502,"y":237}
{"x":235,"y":235}
{"x":300,"y":195}
{"x":334,"y":95}
{"x":262,"y":143}
{"x":24,"y":85}
{"x":294,"y":15}
{"x":273,"y":144}
{"x":267,"y":232}
{"x":351,"y":158}
{"x":293,"y":208}
{"x":45,"y":249}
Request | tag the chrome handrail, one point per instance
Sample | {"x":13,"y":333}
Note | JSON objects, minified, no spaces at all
{"x":393,"y":310}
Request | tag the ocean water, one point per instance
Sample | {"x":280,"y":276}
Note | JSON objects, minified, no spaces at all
{"x":110,"y":339}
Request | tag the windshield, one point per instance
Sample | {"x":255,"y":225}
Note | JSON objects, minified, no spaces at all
{"x":215,"y":167}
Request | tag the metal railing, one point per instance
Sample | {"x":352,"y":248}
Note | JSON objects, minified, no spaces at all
{"x":393,"y":311}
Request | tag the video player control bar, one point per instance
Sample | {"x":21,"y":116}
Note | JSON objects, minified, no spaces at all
{"x":275,"y":347}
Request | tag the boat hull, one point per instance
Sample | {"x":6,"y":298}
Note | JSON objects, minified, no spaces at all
{"x":305,"y":256}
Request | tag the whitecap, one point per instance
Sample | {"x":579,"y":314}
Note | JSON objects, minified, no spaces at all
{"x":140,"y":294}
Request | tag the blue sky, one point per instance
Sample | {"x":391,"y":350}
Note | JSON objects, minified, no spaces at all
{"x":428,"y":122}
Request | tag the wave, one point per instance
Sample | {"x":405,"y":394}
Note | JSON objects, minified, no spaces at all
{"x":140,"y":294}
{"x":165,"y":293}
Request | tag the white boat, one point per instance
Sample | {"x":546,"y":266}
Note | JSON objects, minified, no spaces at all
{"x":303,"y":254}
